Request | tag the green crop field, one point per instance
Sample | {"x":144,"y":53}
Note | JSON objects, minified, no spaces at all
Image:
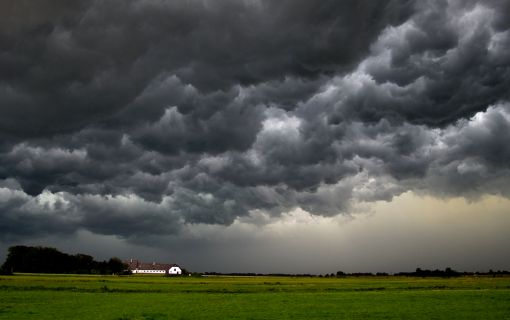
{"x":155,"y":297}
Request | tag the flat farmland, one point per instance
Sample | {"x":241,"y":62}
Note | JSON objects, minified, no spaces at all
{"x":53,"y":297}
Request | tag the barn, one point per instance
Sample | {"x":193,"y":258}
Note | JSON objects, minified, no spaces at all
{"x":138,"y":267}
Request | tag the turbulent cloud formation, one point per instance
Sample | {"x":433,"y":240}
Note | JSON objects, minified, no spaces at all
{"x":143,"y":117}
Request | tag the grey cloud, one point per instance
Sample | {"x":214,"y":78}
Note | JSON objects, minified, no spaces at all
{"x":106,"y":215}
{"x":143,"y":117}
{"x":215,"y":190}
{"x":447,"y":62}
{"x":49,"y":213}
{"x":25,"y":216}
{"x":484,"y":137}
{"x":71,"y":65}
{"x":454,"y":60}
{"x":474,"y":157}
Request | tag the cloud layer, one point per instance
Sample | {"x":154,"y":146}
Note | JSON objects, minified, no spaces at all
{"x":143,"y":117}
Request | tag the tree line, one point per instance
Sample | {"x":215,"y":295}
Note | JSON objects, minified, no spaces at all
{"x":424,"y":273}
{"x":50,"y":260}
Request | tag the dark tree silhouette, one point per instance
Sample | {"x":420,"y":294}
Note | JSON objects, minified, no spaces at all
{"x":50,"y":260}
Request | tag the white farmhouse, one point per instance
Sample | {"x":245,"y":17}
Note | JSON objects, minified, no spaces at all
{"x":136,"y":266}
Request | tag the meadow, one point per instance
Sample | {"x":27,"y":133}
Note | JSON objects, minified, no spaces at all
{"x":30,"y":296}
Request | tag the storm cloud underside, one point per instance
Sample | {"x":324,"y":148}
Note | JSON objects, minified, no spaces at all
{"x":145,"y":117}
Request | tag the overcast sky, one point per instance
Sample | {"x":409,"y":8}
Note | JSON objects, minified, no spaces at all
{"x":258,"y":136}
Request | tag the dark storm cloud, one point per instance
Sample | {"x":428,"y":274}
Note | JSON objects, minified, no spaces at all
{"x":449,"y":61}
{"x":24,"y":216}
{"x":126,"y":118}
{"x":65,"y":66}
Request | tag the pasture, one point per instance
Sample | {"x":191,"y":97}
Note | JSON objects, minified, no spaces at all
{"x":25,"y":296}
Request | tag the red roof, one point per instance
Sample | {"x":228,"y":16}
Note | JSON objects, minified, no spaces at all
{"x":136,"y":264}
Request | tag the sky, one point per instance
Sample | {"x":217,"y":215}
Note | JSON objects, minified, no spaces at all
{"x":258,"y":136}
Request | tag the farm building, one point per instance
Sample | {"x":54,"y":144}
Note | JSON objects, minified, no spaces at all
{"x":136,"y":266}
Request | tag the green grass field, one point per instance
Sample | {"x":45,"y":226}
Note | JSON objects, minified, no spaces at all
{"x":155,"y":297}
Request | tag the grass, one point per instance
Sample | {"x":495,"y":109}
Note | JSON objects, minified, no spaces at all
{"x":154,"y":297}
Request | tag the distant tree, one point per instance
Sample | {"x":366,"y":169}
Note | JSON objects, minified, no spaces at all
{"x":449,"y":272}
{"x":83,"y":263}
{"x":50,"y":260}
{"x":116,"y":266}
{"x":36,"y":259}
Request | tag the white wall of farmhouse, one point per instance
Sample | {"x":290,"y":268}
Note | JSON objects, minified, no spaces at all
{"x":148,"y":271}
{"x":175,"y":270}
{"x":172,"y":270}
{"x":135,"y":266}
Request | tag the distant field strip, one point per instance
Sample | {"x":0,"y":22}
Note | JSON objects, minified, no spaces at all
{"x":156,"y":297}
